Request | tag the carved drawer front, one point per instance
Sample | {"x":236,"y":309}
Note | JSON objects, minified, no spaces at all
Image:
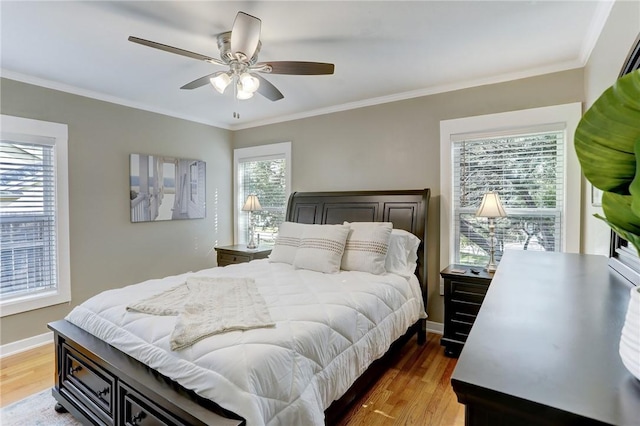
{"x":90,"y":384}
{"x":138,"y":411}
{"x":227,"y":259}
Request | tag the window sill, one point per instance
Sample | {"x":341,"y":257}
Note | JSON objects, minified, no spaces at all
{"x":22,"y":304}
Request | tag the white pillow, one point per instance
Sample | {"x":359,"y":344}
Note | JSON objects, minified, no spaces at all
{"x":287,"y":242}
{"x":366,"y":247}
{"x":402,"y":255}
{"x":321,"y":248}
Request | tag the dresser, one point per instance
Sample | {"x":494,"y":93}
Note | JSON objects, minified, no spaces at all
{"x":464,"y":290}
{"x":239,"y":253}
{"x":544,"y":347}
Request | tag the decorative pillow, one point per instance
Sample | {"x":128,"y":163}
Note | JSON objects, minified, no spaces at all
{"x":366,"y":247}
{"x":402,"y":255}
{"x":287,"y":242}
{"x":321,"y":248}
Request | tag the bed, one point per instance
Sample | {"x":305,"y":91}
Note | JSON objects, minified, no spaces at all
{"x":121,"y":372}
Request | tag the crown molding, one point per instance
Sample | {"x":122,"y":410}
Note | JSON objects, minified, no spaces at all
{"x":566,"y":66}
{"x":312,"y":113}
{"x":600,"y":17}
{"x":49,"y":84}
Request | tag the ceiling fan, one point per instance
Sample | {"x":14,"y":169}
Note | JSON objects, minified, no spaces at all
{"x":239,"y":50}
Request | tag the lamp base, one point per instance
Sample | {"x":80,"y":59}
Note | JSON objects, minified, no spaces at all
{"x":492,"y":267}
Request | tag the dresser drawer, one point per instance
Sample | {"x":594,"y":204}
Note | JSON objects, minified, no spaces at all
{"x":136,"y":410}
{"x":228,"y":259}
{"x":89,"y":383}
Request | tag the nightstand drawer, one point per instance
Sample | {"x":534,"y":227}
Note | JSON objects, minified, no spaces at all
{"x":468,"y":291}
{"x":227,"y":259}
{"x":464,"y":309}
{"x":459,"y":330}
{"x":230,"y":255}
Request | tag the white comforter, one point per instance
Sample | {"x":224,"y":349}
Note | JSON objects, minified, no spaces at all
{"x":329,"y":328}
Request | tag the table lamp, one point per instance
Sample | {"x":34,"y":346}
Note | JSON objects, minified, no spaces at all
{"x":251,"y":205}
{"x":491,"y":207}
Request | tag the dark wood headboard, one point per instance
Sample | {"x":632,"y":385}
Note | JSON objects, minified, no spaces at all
{"x":405,"y":209}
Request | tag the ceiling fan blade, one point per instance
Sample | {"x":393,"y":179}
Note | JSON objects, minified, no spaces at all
{"x":267,"y":89}
{"x":175,"y":50}
{"x":245,"y":35}
{"x":198,"y":83}
{"x":298,"y":68}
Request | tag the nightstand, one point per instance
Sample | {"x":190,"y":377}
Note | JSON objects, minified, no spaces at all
{"x":239,"y":253}
{"x":463,"y":295}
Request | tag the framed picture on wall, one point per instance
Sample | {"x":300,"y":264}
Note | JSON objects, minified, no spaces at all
{"x":166,"y":188}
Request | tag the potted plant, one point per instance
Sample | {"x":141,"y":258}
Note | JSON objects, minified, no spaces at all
{"x":607,"y":142}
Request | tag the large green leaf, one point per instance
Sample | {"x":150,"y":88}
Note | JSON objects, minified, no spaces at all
{"x":607,"y":142}
{"x":606,"y":136}
{"x":617,"y":209}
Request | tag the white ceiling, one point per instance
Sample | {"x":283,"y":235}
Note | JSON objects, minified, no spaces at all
{"x":382,"y":50}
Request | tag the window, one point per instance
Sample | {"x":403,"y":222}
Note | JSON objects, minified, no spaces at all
{"x":528,"y":158}
{"x":33,"y":215}
{"x":527,"y":172}
{"x":266,"y":172}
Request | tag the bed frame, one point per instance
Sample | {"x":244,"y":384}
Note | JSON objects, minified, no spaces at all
{"x":100,"y":385}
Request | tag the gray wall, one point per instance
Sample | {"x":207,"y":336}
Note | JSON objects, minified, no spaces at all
{"x":397,"y":145}
{"x":108,"y":251}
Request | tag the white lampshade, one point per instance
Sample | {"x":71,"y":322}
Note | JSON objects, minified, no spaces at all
{"x":491,"y":206}
{"x":248,"y":83}
{"x":252,"y":204}
{"x":220,"y":81}
{"x":242,"y":95}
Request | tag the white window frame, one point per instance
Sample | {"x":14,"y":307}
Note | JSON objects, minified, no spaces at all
{"x":256,"y":153}
{"x":16,"y":128}
{"x":516,"y":122}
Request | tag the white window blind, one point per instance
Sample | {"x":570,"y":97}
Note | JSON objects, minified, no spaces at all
{"x":527,"y":171}
{"x":27,"y":218}
{"x":264,"y":171}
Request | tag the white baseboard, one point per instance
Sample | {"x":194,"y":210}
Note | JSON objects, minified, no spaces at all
{"x":435,"y":327}
{"x":25,"y":344}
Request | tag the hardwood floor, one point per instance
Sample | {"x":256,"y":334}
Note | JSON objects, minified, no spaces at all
{"x":26,"y":373}
{"x":415,"y":389}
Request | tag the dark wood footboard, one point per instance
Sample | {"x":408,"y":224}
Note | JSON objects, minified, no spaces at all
{"x":101,"y":385}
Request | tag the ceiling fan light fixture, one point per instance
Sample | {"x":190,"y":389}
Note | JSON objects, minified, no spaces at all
{"x":243,"y":94}
{"x":248,"y":83}
{"x":220,"y":81}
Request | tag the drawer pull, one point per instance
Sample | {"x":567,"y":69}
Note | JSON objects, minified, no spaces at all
{"x":138,"y":418}
{"x":74,"y":369}
{"x":104,"y":392}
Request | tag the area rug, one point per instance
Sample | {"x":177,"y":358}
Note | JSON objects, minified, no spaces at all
{"x":35,"y":410}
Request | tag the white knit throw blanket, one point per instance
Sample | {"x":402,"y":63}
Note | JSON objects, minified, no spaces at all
{"x":208,"y":305}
